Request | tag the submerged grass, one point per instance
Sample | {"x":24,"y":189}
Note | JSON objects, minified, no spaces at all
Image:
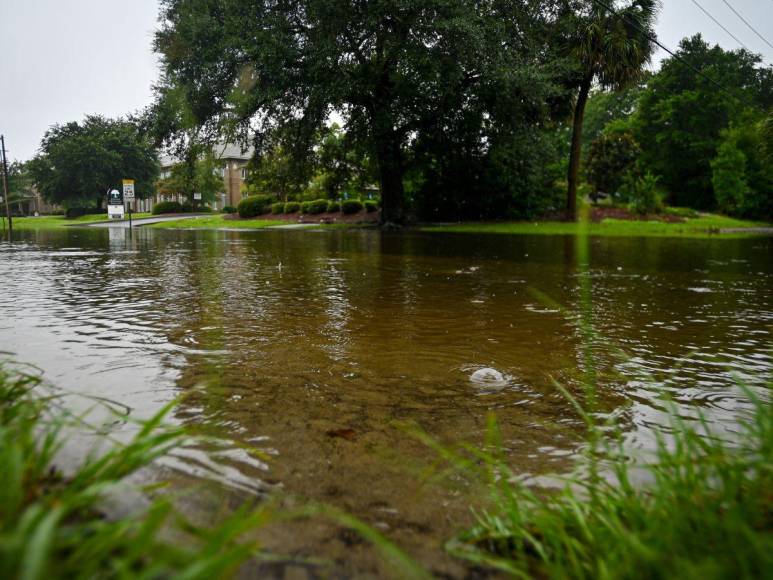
{"x":53,"y":525}
{"x":216,"y":222}
{"x":59,"y":221}
{"x":703,"y":226}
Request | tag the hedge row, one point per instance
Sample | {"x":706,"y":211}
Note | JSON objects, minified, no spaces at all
{"x":76,"y":212}
{"x":177,"y":207}
{"x":256,"y":205}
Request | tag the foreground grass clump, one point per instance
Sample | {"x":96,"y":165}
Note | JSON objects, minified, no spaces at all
{"x":700,"y":507}
{"x":52,"y":525}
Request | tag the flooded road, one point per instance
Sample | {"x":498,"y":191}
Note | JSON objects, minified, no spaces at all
{"x":316,"y":348}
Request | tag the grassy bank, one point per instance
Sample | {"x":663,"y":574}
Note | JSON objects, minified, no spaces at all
{"x":216,"y":222}
{"x":59,"y":221}
{"x":699,"y":227}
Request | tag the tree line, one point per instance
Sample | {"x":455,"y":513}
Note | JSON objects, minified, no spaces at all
{"x":453,"y":109}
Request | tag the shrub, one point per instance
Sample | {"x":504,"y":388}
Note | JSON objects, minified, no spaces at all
{"x":278,"y":207}
{"x":167,"y":207}
{"x":314,"y":207}
{"x":610,"y":157}
{"x":371,"y":206}
{"x":642,"y":193}
{"x":683,"y":212}
{"x":351,"y":206}
{"x":253,"y":206}
{"x":729,"y":178}
{"x":229,"y":209}
{"x":292,"y":207}
{"x":333,"y":206}
{"x":76,"y":212}
{"x":203,"y":209}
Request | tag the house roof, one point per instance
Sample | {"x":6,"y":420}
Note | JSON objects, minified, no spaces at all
{"x":224,"y":151}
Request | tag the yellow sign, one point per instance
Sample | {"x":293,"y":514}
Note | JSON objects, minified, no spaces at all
{"x":128,"y":189}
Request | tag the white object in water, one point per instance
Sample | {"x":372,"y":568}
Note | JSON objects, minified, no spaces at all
{"x":488,"y":378}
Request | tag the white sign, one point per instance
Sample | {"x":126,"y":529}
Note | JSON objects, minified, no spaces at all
{"x":115,"y":212}
{"x":197,"y":196}
{"x":128,"y":189}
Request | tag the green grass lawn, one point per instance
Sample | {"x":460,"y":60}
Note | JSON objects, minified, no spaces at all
{"x":59,"y":221}
{"x":214,"y":222}
{"x":703,"y":226}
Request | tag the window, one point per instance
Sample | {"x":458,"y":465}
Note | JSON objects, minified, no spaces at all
{"x":244,"y":173}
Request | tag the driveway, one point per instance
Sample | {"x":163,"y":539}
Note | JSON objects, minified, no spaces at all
{"x":146,"y":221}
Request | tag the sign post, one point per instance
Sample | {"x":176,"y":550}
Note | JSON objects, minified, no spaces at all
{"x":128,"y":196}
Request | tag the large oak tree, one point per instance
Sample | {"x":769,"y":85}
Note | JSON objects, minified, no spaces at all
{"x":392,"y":70}
{"x":79,"y":162}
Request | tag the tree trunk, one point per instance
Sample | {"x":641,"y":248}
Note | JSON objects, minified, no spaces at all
{"x":390,"y":166}
{"x":576,"y":151}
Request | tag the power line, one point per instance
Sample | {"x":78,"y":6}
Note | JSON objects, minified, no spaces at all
{"x":655,"y":40}
{"x":722,"y":26}
{"x":746,"y":22}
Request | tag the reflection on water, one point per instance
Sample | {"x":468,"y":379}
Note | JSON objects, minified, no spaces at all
{"x":311,"y":346}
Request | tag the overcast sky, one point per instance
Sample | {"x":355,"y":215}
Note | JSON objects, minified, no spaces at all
{"x":63,"y":59}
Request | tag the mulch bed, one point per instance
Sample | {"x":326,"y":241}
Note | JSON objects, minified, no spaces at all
{"x":600,"y":213}
{"x":320,"y":218}
{"x":620,"y":213}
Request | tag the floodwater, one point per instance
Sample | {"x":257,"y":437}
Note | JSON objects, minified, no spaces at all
{"x":318,"y":348}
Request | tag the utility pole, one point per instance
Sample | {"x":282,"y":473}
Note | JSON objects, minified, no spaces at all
{"x":5,"y":187}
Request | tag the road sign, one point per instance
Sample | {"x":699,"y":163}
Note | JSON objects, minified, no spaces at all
{"x":128,"y":189}
{"x":115,"y":212}
{"x":115,"y":205}
{"x":197,"y":196}
{"x":114,"y":197}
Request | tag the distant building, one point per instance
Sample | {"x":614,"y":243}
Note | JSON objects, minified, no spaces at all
{"x":232,"y":167}
{"x":31,"y":202}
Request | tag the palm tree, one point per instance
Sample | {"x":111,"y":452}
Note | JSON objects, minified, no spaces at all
{"x":611,"y":47}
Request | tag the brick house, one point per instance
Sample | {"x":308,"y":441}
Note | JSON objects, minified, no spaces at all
{"x":232,"y":167}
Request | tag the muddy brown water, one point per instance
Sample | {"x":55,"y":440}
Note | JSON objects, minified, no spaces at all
{"x":317,"y":348}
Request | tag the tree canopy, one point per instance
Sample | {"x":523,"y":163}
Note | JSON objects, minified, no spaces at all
{"x":401,"y":74}
{"x":461,"y":109}
{"x":79,"y":162}
{"x":682,"y":114}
